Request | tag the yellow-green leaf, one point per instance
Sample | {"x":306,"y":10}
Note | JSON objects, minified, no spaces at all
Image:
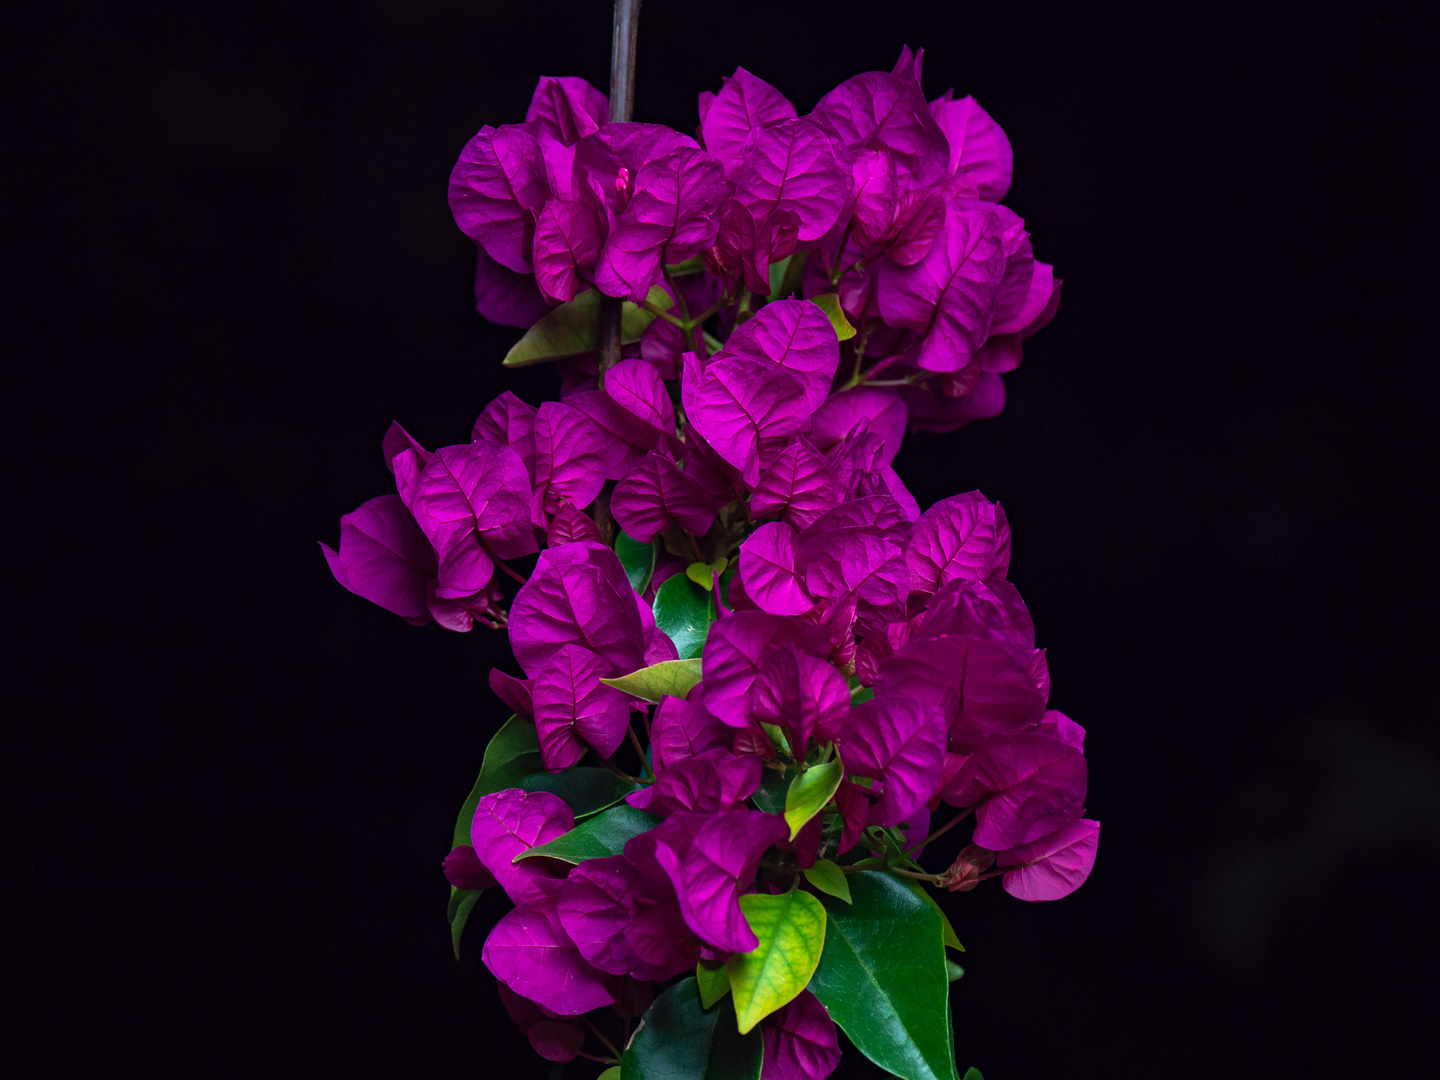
{"x":829,"y":879}
{"x":704,"y":574}
{"x":948,"y":931}
{"x":809,"y":792}
{"x":674,"y":678}
{"x":612,"y":1073}
{"x":713,"y":980}
{"x":791,"y":929}
{"x":574,"y":328}
{"x":830,"y":305}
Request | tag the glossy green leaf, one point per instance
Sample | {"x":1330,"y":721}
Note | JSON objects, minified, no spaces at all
{"x":809,"y":792}
{"x":829,"y":879}
{"x":596,"y":837}
{"x":713,"y":981}
{"x":882,"y":978}
{"x":462,"y":901}
{"x":951,"y":938}
{"x":679,"y":1039}
{"x":770,"y":795}
{"x":638,"y":559}
{"x":574,"y":328}
{"x":673,"y":677}
{"x":785,"y":275}
{"x":830,"y":305}
{"x":684,"y":612}
{"x":586,"y":789}
{"x":513,"y":753}
{"x":733,"y":1056}
{"x":612,"y":1073}
{"x":791,"y":929}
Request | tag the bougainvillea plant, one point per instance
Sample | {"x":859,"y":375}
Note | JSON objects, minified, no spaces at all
{"x":751,"y":671}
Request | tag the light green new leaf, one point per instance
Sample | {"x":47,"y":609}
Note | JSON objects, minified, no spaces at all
{"x":612,"y":1073}
{"x":461,"y":903}
{"x":973,"y":1073}
{"x":675,"y":678}
{"x":882,"y":978}
{"x":638,"y":559}
{"x":830,"y":305}
{"x":704,"y":574}
{"x":951,"y":938}
{"x":513,"y":753}
{"x":829,"y":879}
{"x":684,"y":611}
{"x":953,"y":970}
{"x":713,"y":980}
{"x":585,"y":789}
{"x":791,"y":929}
{"x":776,"y":734}
{"x":595,"y":837}
{"x":574,"y":328}
{"x":809,"y":792}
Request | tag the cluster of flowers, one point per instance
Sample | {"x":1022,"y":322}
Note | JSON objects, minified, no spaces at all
{"x":853,"y":646}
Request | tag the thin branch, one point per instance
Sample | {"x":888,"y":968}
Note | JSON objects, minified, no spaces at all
{"x":622,"y":104}
{"x":635,"y":742}
{"x":600,"y":1035}
{"x":942,"y":830}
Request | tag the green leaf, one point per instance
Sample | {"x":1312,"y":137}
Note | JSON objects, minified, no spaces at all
{"x":704,"y":574}
{"x":733,"y":1056}
{"x":586,"y":790}
{"x":973,"y":1073}
{"x":776,"y":734}
{"x":513,"y":753}
{"x":712,"y":343}
{"x":686,"y":268}
{"x":673,"y":677}
{"x":461,"y":903}
{"x":791,"y":929}
{"x":770,"y":795}
{"x":830,"y":305}
{"x":574,"y":328}
{"x":953,"y":970}
{"x":951,"y":938}
{"x":785,"y":275}
{"x":679,"y":1039}
{"x":713,"y":981}
{"x":829,"y":879}
{"x":684,"y":612}
{"x":596,"y":837}
{"x":809,"y":792}
{"x":638,"y":559}
{"x":882,"y":978}
{"x":612,"y":1073}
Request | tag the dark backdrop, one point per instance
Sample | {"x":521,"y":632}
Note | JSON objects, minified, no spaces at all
{"x":232,"y":265}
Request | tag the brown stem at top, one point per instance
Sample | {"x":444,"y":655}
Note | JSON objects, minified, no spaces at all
{"x":622,"y":103}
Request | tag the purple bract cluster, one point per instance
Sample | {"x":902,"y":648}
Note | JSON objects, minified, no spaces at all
{"x":749,"y":439}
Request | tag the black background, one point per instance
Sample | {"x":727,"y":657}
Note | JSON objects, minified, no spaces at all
{"x":231,"y":265}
